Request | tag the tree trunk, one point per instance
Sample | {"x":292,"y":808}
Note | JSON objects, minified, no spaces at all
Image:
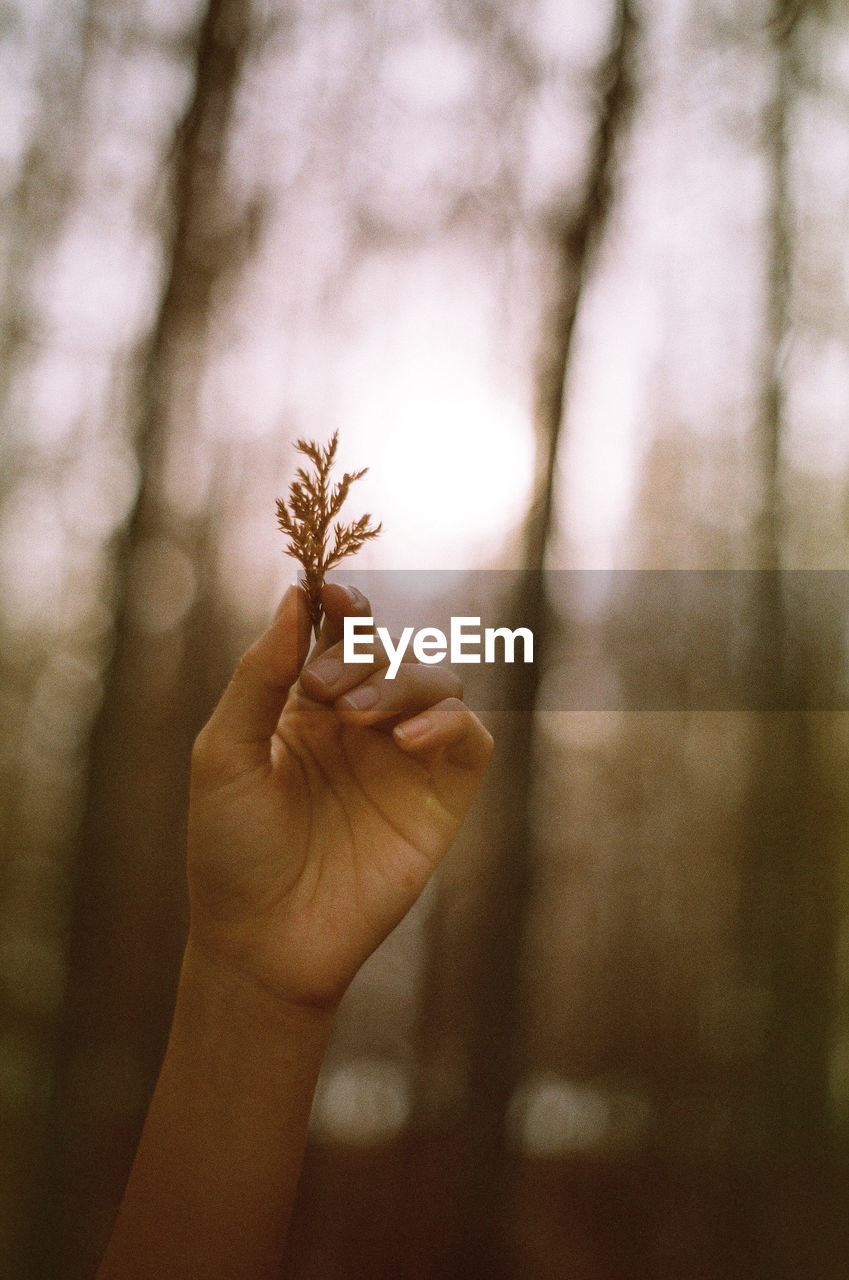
{"x":790,"y":882}
{"x":488,"y":957}
{"x":128,"y":886}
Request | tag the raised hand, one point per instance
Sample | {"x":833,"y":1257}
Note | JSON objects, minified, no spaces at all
{"x":323,"y":796}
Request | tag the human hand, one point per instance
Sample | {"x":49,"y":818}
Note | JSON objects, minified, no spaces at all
{"x":314,"y":823}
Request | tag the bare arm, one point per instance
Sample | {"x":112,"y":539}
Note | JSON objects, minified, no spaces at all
{"x":314,"y":825}
{"x":212,"y":1186}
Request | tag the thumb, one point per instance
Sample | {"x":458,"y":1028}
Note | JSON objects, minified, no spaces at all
{"x":253,"y":700}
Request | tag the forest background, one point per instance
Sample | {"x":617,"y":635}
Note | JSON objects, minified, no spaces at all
{"x":572,"y":280}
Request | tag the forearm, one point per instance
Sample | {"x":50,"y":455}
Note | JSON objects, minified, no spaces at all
{"x":214,"y":1179}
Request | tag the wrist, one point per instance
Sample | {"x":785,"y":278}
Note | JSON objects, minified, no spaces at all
{"x":282,"y":955}
{"x":217,"y":992}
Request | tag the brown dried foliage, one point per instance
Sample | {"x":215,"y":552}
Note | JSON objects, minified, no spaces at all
{"x":313,"y":506}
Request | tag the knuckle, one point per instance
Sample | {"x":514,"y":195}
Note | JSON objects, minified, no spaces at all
{"x":455,"y":685}
{"x":201,"y":750}
{"x":455,"y":707}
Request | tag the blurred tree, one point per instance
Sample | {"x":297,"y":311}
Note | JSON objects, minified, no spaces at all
{"x":49,"y":661}
{"x":492,"y":942}
{"x":128,"y":894}
{"x":789,"y":877}
{"x":586,"y":926}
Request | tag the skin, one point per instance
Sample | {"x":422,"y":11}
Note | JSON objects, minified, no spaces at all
{"x":322,"y":798}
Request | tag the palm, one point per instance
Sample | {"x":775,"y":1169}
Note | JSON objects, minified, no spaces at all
{"x":329,"y":843}
{"x":372,"y":822}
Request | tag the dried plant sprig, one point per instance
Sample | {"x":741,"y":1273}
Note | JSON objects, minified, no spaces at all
{"x":313,"y":506}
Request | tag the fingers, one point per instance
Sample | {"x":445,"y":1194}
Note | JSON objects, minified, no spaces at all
{"x":423,"y":702}
{"x":363,"y":691}
{"x":448,"y":730}
{"x":251,"y":704}
{"x":326,"y":676}
{"x":414,"y":688}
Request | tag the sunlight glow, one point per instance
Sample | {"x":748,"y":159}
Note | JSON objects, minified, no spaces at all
{"x":429,"y":73}
{"x":448,"y":443}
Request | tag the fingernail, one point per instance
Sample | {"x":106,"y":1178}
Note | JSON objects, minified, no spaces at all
{"x":326,"y":670}
{"x":364,"y":696}
{"x":417,"y":728}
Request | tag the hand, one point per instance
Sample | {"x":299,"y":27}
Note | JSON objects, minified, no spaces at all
{"x":314,"y":823}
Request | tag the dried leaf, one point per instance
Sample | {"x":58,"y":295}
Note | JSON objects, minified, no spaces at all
{"x":308,"y":520}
